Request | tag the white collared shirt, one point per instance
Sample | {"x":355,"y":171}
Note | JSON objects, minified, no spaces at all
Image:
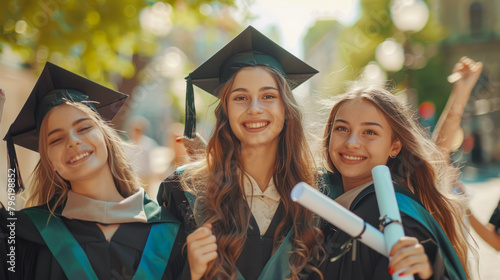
{"x":262,"y":204}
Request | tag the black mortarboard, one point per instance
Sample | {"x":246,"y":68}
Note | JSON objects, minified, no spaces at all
{"x":54,"y":87}
{"x":249,"y":48}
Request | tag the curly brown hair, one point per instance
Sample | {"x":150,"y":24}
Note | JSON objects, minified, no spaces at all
{"x":218,"y":185}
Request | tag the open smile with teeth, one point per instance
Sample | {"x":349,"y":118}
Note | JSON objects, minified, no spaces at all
{"x":256,"y":124}
{"x":79,"y":157}
{"x":352,"y":157}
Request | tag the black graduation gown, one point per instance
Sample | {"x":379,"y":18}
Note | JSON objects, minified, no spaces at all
{"x":495,"y":218}
{"x":253,"y":258}
{"x":362,"y":262}
{"x":118,"y":259}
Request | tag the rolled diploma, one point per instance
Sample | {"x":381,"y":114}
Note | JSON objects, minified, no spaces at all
{"x":453,"y":78}
{"x":339,"y":216}
{"x":387,"y":204}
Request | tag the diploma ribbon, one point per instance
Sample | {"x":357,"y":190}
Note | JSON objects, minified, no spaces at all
{"x":385,"y":221}
{"x":350,"y":243}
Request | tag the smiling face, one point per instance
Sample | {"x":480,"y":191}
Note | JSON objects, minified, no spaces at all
{"x":361,"y":139}
{"x":75,"y":145}
{"x":255,"y":108}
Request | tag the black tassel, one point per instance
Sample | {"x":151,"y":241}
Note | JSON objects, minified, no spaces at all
{"x":190,"y":123}
{"x":13,"y":166}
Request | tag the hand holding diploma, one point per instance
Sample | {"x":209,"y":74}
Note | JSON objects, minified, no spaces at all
{"x":389,"y":210}
{"x":407,"y":256}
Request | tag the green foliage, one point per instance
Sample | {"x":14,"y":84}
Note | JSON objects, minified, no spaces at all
{"x":357,"y":45}
{"x":96,"y":38}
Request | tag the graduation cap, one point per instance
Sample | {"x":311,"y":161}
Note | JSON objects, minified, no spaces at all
{"x":249,"y":48}
{"x":54,"y":87}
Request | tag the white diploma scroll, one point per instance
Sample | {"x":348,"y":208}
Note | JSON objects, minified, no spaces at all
{"x":453,"y":78}
{"x":339,"y":216}
{"x":388,"y":207}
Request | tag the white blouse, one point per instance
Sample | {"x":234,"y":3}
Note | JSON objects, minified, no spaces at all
{"x":262,"y":204}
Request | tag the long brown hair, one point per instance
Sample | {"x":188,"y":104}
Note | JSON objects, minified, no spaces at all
{"x":47,"y":183}
{"x":420,"y":166}
{"x":218,"y":185}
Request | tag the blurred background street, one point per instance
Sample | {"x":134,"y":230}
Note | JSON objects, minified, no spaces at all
{"x":485,"y":194}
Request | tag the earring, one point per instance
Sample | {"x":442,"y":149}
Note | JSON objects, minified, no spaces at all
{"x":393,"y":156}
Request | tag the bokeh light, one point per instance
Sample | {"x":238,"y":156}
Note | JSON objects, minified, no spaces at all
{"x":427,"y":110}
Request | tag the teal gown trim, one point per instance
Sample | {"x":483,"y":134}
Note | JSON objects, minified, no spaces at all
{"x":277,"y":266}
{"x":413,"y":209}
{"x":157,"y":251}
{"x":60,"y":242}
{"x":76,"y":265}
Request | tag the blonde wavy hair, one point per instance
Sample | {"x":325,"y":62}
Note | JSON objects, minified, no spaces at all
{"x":47,"y":184}
{"x":218,"y":184}
{"x":420,"y":166}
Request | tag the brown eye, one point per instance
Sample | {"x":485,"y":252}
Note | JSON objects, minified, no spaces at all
{"x":85,"y":128}
{"x":341,"y":128}
{"x":370,"y":132}
{"x":55,"y":141}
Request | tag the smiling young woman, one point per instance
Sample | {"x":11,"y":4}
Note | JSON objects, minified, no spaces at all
{"x":255,"y":109}
{"x":87,"y":215}
{"x":385,"y":133}
{"x":235,"y":204}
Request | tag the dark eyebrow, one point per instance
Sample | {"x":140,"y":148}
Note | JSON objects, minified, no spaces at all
{"x":239,"y":89}
{"x":261,"y":89}
{"x":74,"y":123}
{"x":372,"y":123}
{"x":365,"y":123}
{"x":267,"y":88}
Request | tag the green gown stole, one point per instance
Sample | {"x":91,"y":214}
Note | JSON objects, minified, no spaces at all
{"x":75,"y":263}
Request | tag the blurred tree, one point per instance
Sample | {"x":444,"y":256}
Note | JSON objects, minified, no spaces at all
{"x":108,"y":41}
{"x":423,"y":70}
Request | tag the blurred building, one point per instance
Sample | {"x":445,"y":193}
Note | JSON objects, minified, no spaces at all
{"x":474,"y":31}
{"x":320,"y":49}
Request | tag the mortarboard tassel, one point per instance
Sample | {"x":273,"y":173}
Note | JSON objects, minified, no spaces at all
{"x":190,"y":123}
{"x":13,"y":164}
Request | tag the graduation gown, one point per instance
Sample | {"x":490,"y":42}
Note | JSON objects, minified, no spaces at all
{"x":255,"y":261}
{"x":362,"y":262}
{"x":495,"y":218}
{"x":132,"y":250}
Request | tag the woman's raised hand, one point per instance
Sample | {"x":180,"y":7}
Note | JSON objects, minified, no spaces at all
{"x":195,"y":148}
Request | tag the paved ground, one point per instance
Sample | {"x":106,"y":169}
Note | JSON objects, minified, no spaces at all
{"x":485,"y":193}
